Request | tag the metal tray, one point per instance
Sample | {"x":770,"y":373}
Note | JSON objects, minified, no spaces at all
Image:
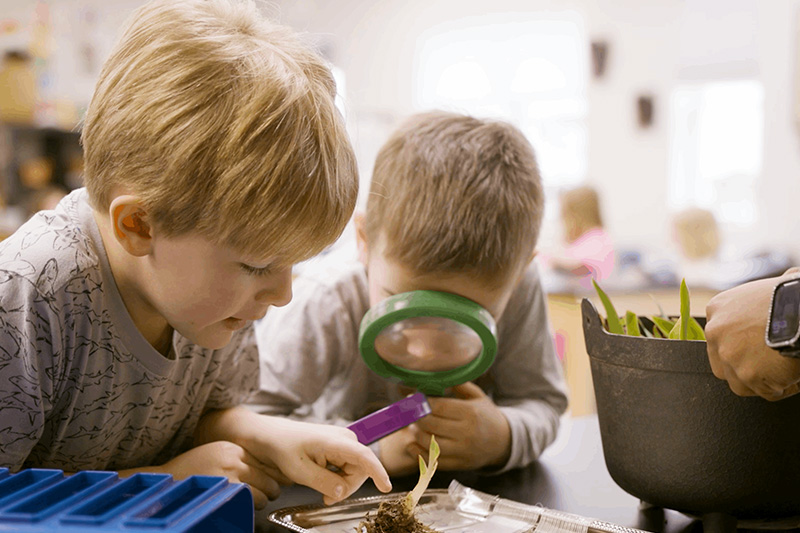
{"x":436,"y":509}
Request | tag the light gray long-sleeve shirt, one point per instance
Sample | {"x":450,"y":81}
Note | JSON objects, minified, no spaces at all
{"x":311,"y":367}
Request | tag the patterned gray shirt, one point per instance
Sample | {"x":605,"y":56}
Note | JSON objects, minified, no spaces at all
{"x":80,"y":387}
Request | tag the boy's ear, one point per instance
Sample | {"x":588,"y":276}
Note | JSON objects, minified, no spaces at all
{"x":131,"y":225}
{"x":361,"y":238}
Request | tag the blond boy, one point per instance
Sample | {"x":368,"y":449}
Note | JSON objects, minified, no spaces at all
{"x":455,"y":206}
{"x":215,"y":159}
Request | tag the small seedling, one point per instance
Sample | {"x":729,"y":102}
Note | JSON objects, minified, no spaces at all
{"x":398,"y":516}
{"x":684,"y":328}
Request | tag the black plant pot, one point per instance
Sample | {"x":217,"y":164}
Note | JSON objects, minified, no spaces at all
{"x":676,"y":437}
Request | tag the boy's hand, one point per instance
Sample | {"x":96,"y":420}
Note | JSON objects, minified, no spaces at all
{"x":470,"y":429}
{"x":395,"y":454}
{"x":232,"y":461}
{"x":303,"y":452}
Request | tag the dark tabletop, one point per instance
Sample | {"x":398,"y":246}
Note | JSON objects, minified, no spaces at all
{"x":570,"y":476}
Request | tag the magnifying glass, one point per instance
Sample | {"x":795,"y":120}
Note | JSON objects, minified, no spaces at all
{"x":428,"y":340}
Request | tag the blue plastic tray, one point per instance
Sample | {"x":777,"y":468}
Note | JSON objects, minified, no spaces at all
{"x":38,"y":500}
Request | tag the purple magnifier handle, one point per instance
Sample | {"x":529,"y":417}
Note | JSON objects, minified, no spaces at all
{"x":391,"y":418}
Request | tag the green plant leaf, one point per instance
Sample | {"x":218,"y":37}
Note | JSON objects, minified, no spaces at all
{"x":660,"y":309}
{"x":696,"y":332}
{"x":632,"y":324}
{"x":425,"y":475}
{"x":664,"y":325}
{"x":644,"y":330}
{"x":685,"y":311}
{"x":614,"y":325}
{"x":675,"y":332}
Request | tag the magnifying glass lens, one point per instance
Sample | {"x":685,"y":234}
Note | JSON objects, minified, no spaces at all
{"x":428,"y":343}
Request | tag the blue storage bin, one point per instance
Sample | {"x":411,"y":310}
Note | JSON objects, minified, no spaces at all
{"x":40,"y":501}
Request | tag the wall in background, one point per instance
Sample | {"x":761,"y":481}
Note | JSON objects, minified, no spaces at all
{"x":653,"y":48}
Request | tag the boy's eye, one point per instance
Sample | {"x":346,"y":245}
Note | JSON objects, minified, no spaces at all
{"x":256,"y":271}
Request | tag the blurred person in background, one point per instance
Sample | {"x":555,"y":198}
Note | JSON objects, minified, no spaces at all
{"x":587,"y":251}
{"x":704,"y":259}
{"x":697,"y":236}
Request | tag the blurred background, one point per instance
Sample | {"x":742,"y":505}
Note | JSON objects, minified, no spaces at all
{"x":679,"y":117}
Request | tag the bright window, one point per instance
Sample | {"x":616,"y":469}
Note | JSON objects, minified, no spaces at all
{"x":530,"y":73}
{"x":717,"y":148}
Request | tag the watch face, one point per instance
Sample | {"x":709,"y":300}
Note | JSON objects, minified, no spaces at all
{"x":785,"y":314}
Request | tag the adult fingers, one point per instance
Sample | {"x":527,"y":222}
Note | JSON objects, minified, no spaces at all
{"x":791,"y":390}
{"x":712,"y":349}
{"x":739,"y":388}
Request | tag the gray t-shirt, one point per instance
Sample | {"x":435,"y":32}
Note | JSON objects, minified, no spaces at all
{"x":80,"y":387}
{"x":311,"y":367}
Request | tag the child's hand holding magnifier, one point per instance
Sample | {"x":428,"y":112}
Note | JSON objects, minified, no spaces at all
{"x":431,"y":341}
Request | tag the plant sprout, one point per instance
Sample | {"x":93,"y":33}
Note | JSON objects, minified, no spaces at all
{"x":685,"y":327}
{"x":397,"y":516}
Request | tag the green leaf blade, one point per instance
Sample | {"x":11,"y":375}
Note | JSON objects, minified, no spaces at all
{"x":632,"y":324}
{"x":685,"y":311}
{"x":663,"y":324}
{"x":425,"y":475}
{"x":696,"y":332}
{"x":614,"y":325}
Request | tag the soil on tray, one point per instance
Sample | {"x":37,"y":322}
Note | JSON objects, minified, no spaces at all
{"x":393,"y":517}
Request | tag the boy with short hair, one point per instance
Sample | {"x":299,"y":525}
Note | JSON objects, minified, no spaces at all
{"x":215,"y":159}
{"x":455,"y":206}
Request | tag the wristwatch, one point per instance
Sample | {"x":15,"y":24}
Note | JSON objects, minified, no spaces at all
{"x":783,"y":327}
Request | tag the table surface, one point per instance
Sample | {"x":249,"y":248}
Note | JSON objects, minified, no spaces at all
{"x":570,"y":476}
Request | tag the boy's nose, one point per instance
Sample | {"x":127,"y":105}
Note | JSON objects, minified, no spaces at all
{"x":423,"y":352}
{"x":279,"y":291}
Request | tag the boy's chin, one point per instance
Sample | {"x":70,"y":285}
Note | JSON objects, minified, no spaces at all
{"x":211,"y":340}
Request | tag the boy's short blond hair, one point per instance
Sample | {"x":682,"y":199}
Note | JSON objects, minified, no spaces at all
{"x":454,"y":194}
{"x":222,"y":123}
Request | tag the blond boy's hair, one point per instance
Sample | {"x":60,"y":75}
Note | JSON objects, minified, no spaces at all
{"x":580,"y":211}
{"x":453,"y":194}
{"x":225,"y":124}
{"x":697,"y":232}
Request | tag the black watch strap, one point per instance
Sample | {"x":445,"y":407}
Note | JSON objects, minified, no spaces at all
{"x":793,"y":351}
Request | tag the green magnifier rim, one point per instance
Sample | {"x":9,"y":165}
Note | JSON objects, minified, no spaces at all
{"x":428,"y":303}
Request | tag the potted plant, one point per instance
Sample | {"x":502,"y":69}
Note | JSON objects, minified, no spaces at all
{"x":675,"y":436}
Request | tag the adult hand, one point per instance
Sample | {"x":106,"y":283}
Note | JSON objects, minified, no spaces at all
{"x":471,"y":430}
{"x":230,"y":460}
{"x":736,"y":322}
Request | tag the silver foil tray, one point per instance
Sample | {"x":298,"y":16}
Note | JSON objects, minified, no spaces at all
{"x":436,"y":509}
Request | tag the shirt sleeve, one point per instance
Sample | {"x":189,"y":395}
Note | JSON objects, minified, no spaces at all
{"x":527,"y":379}
{"x":237,"y":380}
{"x":30,"y":358}
{"x":300,"y":347}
